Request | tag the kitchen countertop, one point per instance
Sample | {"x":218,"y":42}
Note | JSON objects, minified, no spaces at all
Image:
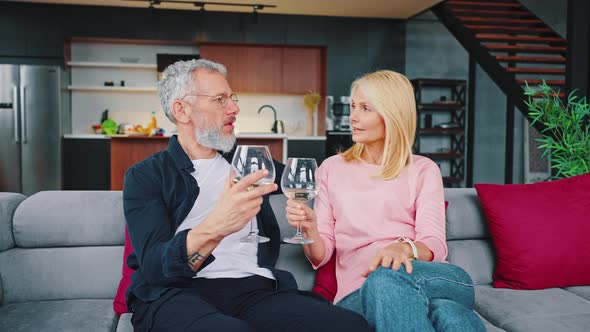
{"x":87,"y":136}
{"x":242,"y":135}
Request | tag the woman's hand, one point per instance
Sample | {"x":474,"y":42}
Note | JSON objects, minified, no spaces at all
{"x":394,"y":255}
{"x":301,"y":213}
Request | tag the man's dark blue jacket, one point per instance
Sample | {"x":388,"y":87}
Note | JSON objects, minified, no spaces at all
{"x":158,"y":194}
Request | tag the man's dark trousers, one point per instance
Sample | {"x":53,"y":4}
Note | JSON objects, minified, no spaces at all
{"x":241,"y":304}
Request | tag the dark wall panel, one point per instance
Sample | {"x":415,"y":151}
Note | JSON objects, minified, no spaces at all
{"x":35,"y":33}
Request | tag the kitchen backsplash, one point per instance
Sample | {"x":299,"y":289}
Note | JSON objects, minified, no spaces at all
{"x":290,"y":110}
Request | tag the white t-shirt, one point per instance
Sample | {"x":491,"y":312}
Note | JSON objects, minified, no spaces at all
{"x":233,"y":259}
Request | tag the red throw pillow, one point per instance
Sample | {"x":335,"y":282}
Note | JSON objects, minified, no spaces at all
{"x":119,"y":304}
{"x":325,"y":278}
{"x":540,"y":232}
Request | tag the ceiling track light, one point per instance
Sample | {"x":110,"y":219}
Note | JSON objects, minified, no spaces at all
{"x":255,"y":14}
{"x":202,"y":4}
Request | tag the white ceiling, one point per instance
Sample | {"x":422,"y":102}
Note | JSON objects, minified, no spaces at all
{"x":400,"y":9}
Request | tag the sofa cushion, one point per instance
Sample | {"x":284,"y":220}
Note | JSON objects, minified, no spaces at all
{"x":582,"y":291}
{"x":291,"y":257}
{"x":465,"y":218}
{"x":551,"y":309}
{"x":476,"y":257}
{"x":60,"y":273}
{"x":489,"y":326}
{"x":8,"y":205}
{"x":325,"y":280}
{"x":63,"y":316}
{"x":124,"y":324}
{"x":540,"y":232}
{"x":70,"y":218}
{"x":120,"y":302}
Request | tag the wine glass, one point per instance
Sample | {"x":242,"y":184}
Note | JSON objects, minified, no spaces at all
{"x":298,"y":183}
{"x":249,"y":159}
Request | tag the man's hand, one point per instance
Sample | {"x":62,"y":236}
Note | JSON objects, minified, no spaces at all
{"x":394,"y":255}
{"x":238,"y":204}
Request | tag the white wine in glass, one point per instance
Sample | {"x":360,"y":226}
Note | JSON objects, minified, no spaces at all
{"x":298,"y":183}
{"x":249,"y":159}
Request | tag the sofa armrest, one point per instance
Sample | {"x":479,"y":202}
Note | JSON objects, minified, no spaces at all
{"x":8,"y":204}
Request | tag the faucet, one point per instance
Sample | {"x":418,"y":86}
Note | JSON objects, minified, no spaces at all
{"x":277,"y":126}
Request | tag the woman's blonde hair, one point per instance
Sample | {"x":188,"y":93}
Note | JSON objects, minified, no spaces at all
{"x":392,"y":96}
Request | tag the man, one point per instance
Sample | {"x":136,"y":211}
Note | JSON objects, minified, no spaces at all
{"x":185,"y":218}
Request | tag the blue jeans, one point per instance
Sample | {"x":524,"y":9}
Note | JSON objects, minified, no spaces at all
{"x":435,"y":297}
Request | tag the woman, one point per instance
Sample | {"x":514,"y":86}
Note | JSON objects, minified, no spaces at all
{"x":381,"y":209}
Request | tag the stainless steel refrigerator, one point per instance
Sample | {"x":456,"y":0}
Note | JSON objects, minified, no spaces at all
{"x":30,"y":128}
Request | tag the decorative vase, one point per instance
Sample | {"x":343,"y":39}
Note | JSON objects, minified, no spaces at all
{"x":310,"y":121}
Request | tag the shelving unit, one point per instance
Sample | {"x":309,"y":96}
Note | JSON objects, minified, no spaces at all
{"x":112,"y":88}
{"x":131,"y":65}
{"x":432,"y":114}
{"x":122,"y":65}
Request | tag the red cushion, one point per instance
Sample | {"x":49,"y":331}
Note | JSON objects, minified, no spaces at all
{"x":325,"y":278}
{"x":540,"y":232}
{"x":120,"y":305}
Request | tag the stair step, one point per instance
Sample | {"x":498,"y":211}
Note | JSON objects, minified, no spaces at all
{"x":531,"y":21}
{"x":525,"y":48}
{"x":541,"y":71}
{"x":506,"y":28}
{"x":510,"y":38}
{"x":488,"y":12}
{"x":530,"y":59}
{"x":483,"y":4}
{"x":536,"y":81}
{"x":540,"y":95}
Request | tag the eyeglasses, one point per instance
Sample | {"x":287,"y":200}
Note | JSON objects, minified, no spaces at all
{"x":222,"y":99}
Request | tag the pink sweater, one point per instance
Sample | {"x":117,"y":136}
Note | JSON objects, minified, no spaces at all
{"x":359,"y":214}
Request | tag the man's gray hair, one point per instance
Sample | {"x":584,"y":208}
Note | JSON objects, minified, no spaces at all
{"x":177,"y":80}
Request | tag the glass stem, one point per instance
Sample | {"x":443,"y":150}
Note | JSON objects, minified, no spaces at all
{"x":251,"y":227}
{"x":299,"y":234}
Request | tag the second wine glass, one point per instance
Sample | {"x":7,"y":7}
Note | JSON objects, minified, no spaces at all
{"x":298,"y":183}
{"x":249,"y":159}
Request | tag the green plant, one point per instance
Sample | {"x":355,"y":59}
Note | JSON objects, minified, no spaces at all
{"x":566,"y":137}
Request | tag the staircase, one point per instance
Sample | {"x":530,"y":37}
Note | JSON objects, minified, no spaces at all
{"x":510,"y":43}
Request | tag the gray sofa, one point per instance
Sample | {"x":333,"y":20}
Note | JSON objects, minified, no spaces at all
{"x":61,"y":258}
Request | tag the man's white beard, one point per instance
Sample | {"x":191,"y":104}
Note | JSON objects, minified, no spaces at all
{"x":213,"y":138}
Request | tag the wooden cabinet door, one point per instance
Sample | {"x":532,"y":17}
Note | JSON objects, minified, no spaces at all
{"x":253,"y":69}
{"x":227,"y":55}
{"x":302,"y":68}
{"x":261,"y":69}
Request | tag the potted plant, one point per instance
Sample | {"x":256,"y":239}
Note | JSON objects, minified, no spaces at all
{"x":566,"y":137}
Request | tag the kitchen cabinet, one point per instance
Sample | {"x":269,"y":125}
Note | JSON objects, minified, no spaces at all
{"x":338,"y":141}
{"x":255,"y":69}
{"x":307,"y":148}
{"x":261,"y":69}
{"x":302,"y":68}
{"x":276,"y":146}
{"x":228,"y":56}
{"x":86,"y":164}
{"x":270,"y":69}
{"x":126,"y":151}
